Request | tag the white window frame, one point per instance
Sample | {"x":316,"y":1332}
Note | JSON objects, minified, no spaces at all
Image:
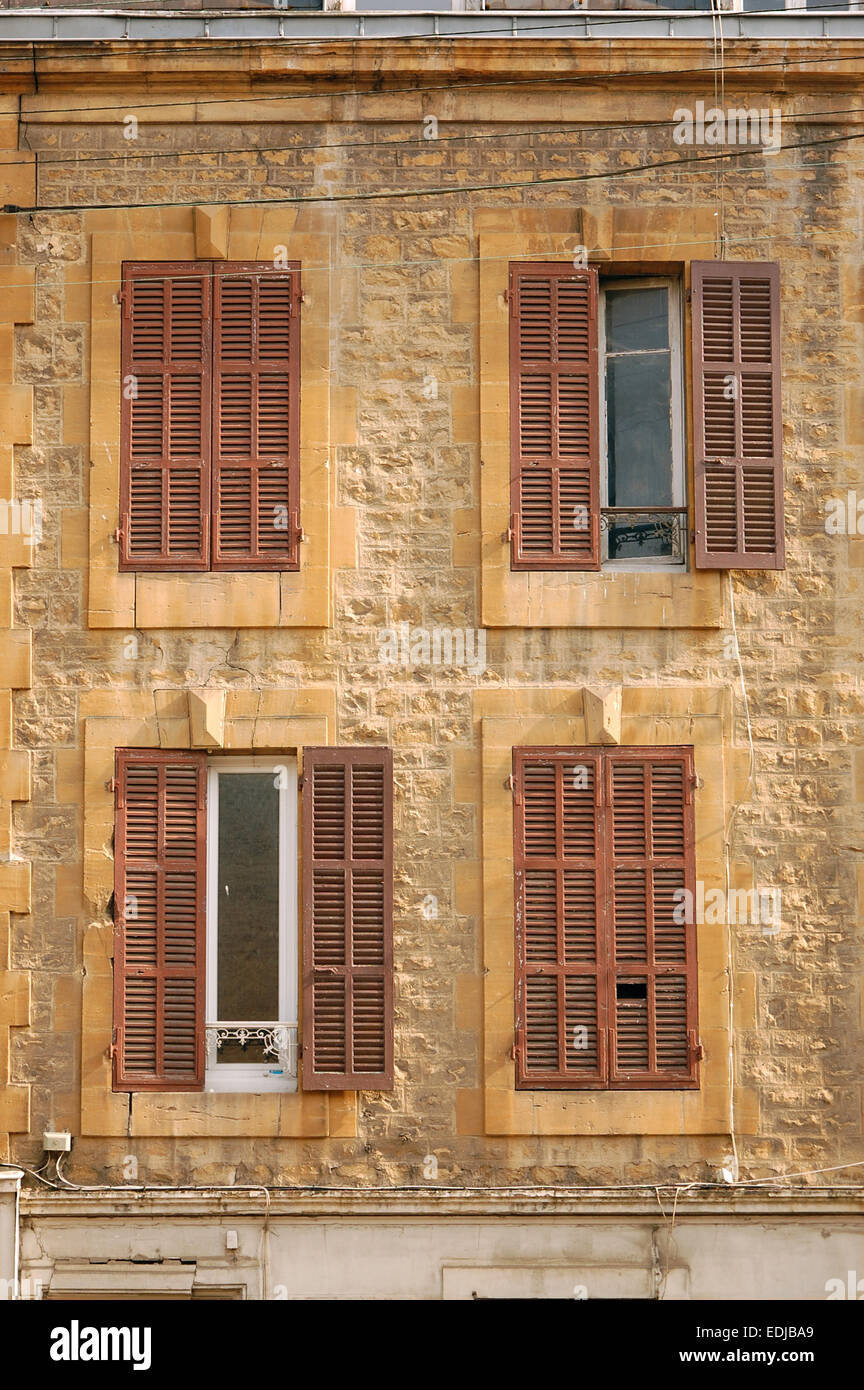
{"x":676,"y":369}
{"x":256,"y":1077}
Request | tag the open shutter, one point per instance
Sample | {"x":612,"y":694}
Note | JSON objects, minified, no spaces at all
{"x":165,"y":416}
{"x":554,"y":440}
{"x":736,"y":415}
{"x":560,"y":950}
{"x":649,"y":839}
{"x":256,"y":418}
{"x":159,"y":914}
{"x":347,"y":919}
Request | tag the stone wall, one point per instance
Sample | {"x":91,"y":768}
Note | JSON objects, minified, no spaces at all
{"x":405,"y":371}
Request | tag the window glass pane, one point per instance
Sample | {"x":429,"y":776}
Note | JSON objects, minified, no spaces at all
{"x":640,"y":430}
{"x":637,"y":319}
{"x":639,"y":420}
{"x":248,"y":906}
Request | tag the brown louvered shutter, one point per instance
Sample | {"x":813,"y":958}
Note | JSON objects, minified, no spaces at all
{"x":649,"y":839}
{"x":347,"y":919}
{"x":606,"y":987}
{"x":736,"y":415}
{"x":554,"y":439}
{"x":165,"y":416}
{"x":560,"y":962}
{"x":256,"y":418}
{"x":159,"y":913}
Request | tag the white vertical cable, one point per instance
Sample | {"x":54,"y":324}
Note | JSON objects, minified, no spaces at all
{"x":727,"y":865}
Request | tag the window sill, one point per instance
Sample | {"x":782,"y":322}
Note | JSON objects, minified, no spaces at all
{"x":636,"y":598}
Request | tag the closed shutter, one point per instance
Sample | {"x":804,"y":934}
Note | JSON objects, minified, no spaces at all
{"x":347,"y":919}
{"x":165,"y":416}
{"x":649,"y":835}
{"x":560,"y":964}
{"x":554,"y":439}
{"x":159,"y":913}
{"x":606,"y":989}
{"x":256,"y":478}
{"x":736,"y":415}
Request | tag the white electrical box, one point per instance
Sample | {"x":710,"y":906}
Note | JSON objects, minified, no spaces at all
{"x":56,"y":1142}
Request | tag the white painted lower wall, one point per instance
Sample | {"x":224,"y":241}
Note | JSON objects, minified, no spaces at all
{"x":403,"y":1244}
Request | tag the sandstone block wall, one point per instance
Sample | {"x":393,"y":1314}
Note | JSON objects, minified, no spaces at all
{"x":404,"y":378}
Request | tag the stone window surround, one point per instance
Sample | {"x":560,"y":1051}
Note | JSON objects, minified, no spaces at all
{"x":206,"y":600}
{"x":652,"y":716}
{"x":271,"y":721}
{"x":660,"y":241}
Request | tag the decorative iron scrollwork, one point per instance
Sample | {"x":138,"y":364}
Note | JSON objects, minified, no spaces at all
{"x":639,"y":525}
{"x":278,"y":1040}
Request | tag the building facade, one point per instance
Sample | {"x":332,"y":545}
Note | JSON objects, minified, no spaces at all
{"x":430,"y":695}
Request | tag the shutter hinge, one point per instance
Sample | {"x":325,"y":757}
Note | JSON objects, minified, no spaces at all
{"x":111,"y":786}
{"x":512,"y":532}
{"x":299,"y":1050}
{"x":300,"y":780}
{"x":508,"y":298}
{"x":515,"y":787}
{"x":689,"y":296}
{"x":112,"y":1051}
{"x":697,"y":1051}
{"x":118,"y":535}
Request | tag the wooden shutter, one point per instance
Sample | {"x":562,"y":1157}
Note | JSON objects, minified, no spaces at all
{"x":560,"y":946}
{"x":256,"y":418}
{"x":649,"y":837}
{"x":347,"y":919}
{"x":159,"y":914}
{"x":736,"y":415}
{"x":606,"y":990}
{"x":165,"y":416}
{"x":554,"y":396}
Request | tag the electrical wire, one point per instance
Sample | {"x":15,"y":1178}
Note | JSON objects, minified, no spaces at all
{"x":572,"y":80}
{"x":322,"y":1190}
{"x":594,"y":20}
{"x":441,"y":191}
{"x":116,"y":156}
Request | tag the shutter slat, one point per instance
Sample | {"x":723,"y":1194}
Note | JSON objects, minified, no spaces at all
{"x":160,"y":915}
{"x":603,"y":844}
{"x":738,"y":468}
{"x":554,"y":449}
{"x":347,"y":919}
{"x":165,"y":416}
{"x":256,"y":439}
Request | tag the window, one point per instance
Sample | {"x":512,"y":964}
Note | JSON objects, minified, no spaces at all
{"x":206,"y":977}
{"x":251,"y":1006}
{"x":642,"y":431}
{"x":597,"y":428}
{"x":605,"y":935}
{"x":209,"y":453}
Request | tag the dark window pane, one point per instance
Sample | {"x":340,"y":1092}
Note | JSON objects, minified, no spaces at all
{"x":637,"y":319}
{"x":248,"y":906}
{"x":638,"y":394}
